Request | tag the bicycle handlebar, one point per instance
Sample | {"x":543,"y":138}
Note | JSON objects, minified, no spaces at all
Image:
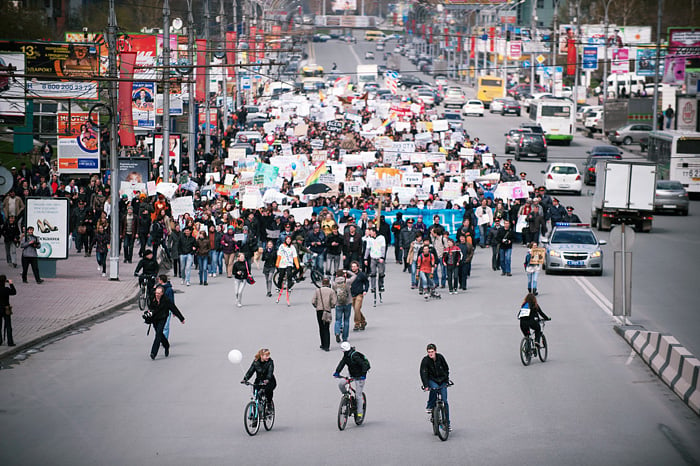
{"x":449,"y":384}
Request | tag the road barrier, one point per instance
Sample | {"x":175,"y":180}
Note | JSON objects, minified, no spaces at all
{"x":673,"y":363}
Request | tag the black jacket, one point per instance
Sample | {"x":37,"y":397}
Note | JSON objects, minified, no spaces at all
{"x":5,"y":293}
{"x":436,"y":370}
{"x":360,"y":284}
{"x":263,"y":370}
{"x":160,"y":309}
{"x":149,"y":266}
{"x":188,"y":245}
{"x":505,"y":238}
{"x":353,"y":360}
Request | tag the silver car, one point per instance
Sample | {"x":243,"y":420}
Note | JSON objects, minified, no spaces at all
{"x":629,"y":134}
{"x":513,"y":138}
{"x":671,"y":196}
{"x":573,"y":247}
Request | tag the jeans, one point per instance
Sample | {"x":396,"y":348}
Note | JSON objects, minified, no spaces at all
{"x":532,"y":280}
{"x":443,"y":273}
{"x":160,"y":338}
{"x":11,"y":252}
{"x":463,"y":272}
{"x":432,"y":398}
{"x":426,"y":282}
{"x":505,"y":260}
{"x":414,"y":269}
{"x":101,"y":260}
{"x":452,"y":278}
{"x":186,"y":265}
{"x":376,"y":267}
{"x":240,"y":286}
{"x":128,"y":247}
{"x":342,"y":320}
{"x":483,"y":230}
{"x":166,"y":329}
{"x":215,"y":262}
{"x":495,"y":258}
{"x":318,"y":261}
{"x":332,"y":263}
{"x":202,"y":262}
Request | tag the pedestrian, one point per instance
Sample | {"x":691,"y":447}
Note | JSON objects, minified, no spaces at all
{"x":451,"y":259}
{"x":188,"y":246}
{"x":161,"y":306}
{"x":532,"y":270}
{"x":11,"y":233}
{"x":203,"y":248}
{"x":264,"y":369}
{"x":358,"y":290}
{"x":269,"y":257}
{"x":396,"y":228}
{"x":240,"y":273}
{"x":492,"y":241}
{"x":358,"y":366}
{"x":505,"y":238}
{"x":228,"y":247}
{"x":128,"y":233}
{"x":414,"y":251}
{"x":30,"y":245}
{"x":465,"y":264}
{"x":170,"y":294}
{"x":406,"y":238}
{"x":334,"y":250}
{"x":484,"y":214}
{"x":669,"y":113}
{"x":6,"y":309}
{"x":342,"y":286}
{"x":101,"y":242}
{"x":324,"y":300}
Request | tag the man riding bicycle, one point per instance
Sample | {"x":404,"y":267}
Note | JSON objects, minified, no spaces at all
{"x":150,"y":269}
{"x":435,"y":375}
{"x":357,"y":367}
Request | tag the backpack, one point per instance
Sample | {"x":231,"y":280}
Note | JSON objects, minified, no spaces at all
{"x":364,"y":362}
{"x":341,"y":290}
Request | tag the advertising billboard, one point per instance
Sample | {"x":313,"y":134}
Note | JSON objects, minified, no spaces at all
{"x":132,"y":175}
{"x":646,"y":61}
{"x":620,"y":61}
{"x":78,"y":144}
{"x":343,"y":5}
{"x":11,"y":89}
{"x":175,"y":148}
{"x":53,"y":64}
{"x":49,"y":217}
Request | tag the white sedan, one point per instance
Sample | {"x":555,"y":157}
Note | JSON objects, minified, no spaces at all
{"x":473,"y":107}
{"x":563,"y":177}
{"x":369,"y":55}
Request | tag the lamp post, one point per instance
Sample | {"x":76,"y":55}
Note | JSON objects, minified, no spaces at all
{"x":605,"y":63}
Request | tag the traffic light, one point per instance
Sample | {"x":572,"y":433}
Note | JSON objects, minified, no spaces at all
{"x":507,"y":35}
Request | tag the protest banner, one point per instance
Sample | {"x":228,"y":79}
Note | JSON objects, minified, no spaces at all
{"x":181,"y":206}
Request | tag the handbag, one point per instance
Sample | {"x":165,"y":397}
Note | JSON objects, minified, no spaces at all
{"x":8,"y":310}
{"x":249,"y":278}
{"x":82,"y":229}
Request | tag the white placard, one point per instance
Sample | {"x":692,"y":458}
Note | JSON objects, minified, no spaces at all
{"x":440,"y":125}
{"x":412,"y":178}
{"x":405,"y":193}
{"x":487,"y":158}
{"x":215,"y":175}
{"x":181,"y":206}
{"x":229,"y":178}
{"x":301,"y":213}
{"x":167,"y":189}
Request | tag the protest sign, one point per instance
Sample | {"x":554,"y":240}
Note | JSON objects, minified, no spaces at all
{"x":181,"y":206}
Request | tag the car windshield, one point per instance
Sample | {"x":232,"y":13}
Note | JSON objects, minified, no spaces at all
{"x":560,"y":170}
{"x":453,"y":116}
{"x":605,"y":150}
{"x":573,"y":237}
{"x":669,"y":185}
{"x":474,"y":102}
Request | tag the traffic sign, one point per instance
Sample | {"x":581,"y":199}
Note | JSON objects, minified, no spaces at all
{"x":590,"y":58}
{"x":245,"y":83}
{"x":540,"y":59}
{"x":516,"y":50}
{"x":526,"y":63}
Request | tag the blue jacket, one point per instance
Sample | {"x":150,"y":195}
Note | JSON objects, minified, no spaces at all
{"x":360,"y":284}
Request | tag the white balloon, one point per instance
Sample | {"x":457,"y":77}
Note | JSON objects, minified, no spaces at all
{"x":235,"y":356}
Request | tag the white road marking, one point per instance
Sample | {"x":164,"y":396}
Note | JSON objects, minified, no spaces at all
{"x":598,"y":298}
{"x":352,"y":50}
{"x":630,"y":358}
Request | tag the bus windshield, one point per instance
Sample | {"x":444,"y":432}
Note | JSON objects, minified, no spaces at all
{"x":554,"y":111}
{"x":688,"y":146}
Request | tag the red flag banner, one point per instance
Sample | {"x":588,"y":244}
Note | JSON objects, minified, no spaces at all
{"x":200,"y":85}
{"x":231,"y":53}
{"x":571,"y":57}
{"x":126,"y":119}
{"x":459,"y":42}
{"x":251,"y":45}
{"x":492,"y":36}
{"x":447,"y":37}
{"x":431,"y":35}
{"x":472,"y":44}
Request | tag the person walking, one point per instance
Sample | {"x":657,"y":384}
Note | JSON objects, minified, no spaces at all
{"x":342,"y":285}
{"x":396,"y":230}
{"x":451,"y":259}
{"x":170,"y":294}
{"x":669,"y":113}
{"x":374,"y":258}
{"x":228,"y":247}
{"x":532,"y":270}
{"x":414,"y":251}
{"x":11,"y":233}
{"x":188,"y":246}
{"x":334,"y":250}
{"x":161,"y":307}
{"x":358,"y":290}
{"x":505,"y":238}
{"x":269,"y":257}
{"x":240,"y":273}
{"x":30,"y":245}
{"x":324,"y":300}
{"x":465,"y":263}
{"x":128,"y":233}
{"x":6,"y":310}
{"x":407,"y":236}
{"x":495,"y":245}
{"x":203,"y":248}
{"x":101,"y":242}
{"x":484,"y":216}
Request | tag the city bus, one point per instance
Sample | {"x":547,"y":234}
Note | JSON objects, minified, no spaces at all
{"x":489,"y":88}
{"x":374,"y":35}
{"x":556,"y":116}
{"x":677,"y":156}
{"x":311,"y":78}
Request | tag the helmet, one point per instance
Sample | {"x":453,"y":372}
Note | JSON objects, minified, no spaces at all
{"x":345,"y":346}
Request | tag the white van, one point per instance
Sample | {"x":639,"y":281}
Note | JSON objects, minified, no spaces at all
{"x":631,"y":82}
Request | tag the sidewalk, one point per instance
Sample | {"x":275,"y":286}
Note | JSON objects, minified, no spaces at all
{"x":77,"y":295}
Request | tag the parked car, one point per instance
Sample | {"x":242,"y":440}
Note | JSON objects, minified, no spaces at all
{"x":496,"y":105}
{"x":513,"y":138}
{"x":595,"y":154}
{"x":473,"y":107}
{"x":454,"y":96}
{"x":629,"y":134}
{"x":593,"y":120}
{"x":671,"y":196}
{"x":531,"y":145}
{"x":510,"y":106}
{"x":563,"y":177}
{"x":573,"y":247}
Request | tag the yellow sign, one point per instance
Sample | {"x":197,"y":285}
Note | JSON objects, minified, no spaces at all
{"x":540,"y":59}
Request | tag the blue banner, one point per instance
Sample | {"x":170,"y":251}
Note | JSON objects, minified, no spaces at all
{"x":590,"y":58}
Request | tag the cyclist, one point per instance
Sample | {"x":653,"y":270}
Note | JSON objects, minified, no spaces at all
{"x":264,"y":369}
{"x":287,"y":261}
{"x":357,"y":368}
{"x":150,"y":270}
{"x":374,"y":258}
{"x":529,"y":316}
{"x":316,"y":242}
{"x":435,"y":374}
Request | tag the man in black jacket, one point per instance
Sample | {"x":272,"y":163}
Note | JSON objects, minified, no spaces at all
{"x":161,"y":307}
{"x":358,"y":290}
{"x":505,"y":238}
{"x":435,"y":375}
{"x":352,"y":245}
{"x":406,"y":237}
{"x":396,"y":228}
{"x":334,"y":249}
{"x":357,"y":367}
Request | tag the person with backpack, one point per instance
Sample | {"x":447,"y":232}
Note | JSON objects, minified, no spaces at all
{"x":426,"y":263}
{"x":342,"y":285}
{"x":358,"y":366}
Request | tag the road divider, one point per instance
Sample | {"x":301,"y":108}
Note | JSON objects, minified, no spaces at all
{"x":673,"y":363}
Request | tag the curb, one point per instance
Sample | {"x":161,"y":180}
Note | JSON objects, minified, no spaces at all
{"x":673,"y":363}
{"x":85,"y":320}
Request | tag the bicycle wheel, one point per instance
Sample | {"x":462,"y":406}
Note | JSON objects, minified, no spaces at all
{"x":542,"y":350}
{"x":360,"y":420}
{"x":251,"y":418}
{"x":343,"y":412}
{"x":434,"y":419}
{"x":142,"y":299}
{"x":525,"y":355}
{"x":443,"y":430}
{"x":316,"y":277}
{"x":269,"y":416}
{"x":276,"y":280}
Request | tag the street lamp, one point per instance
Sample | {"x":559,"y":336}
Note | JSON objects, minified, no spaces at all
{"x":605,"y":61}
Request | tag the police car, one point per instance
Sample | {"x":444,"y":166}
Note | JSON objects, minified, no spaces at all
{"x":573,"y":247}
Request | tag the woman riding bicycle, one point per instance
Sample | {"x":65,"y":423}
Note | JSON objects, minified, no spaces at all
{"x":529,"y":315}
{"x":264,"y":369}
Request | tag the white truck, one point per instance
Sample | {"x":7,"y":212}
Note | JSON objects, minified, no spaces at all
{"x":366,"y":74}
{"x":624,"y":193}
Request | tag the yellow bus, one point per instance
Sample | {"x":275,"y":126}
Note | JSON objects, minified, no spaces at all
{"x":489,"y":88}
{"x":374,"y":35}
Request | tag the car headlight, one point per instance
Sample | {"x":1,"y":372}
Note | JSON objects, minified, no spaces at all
{"x":595,"y":254}
{"x":554,"y":253}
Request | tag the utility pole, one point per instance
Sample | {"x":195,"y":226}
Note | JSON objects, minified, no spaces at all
{"x":236,"y":88}
{"x":207,"y":127}
{"x":655,"y":105}
{"x":577,"y":80}
{"x":166,"y":91}
{"x":191,"y":117}
{"x":222,"y":31}
{"x":532,"y":44}
{"x":113,"y":129}
{"x":605,"y":64}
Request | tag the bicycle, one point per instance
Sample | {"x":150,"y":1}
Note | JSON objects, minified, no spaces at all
{"x":528,"y":348}
{"x":316,"y":277}
{"x":438,"y":416}
{"x":146,"y":287}
{"x":258,"y":404}
{"x":348,"y":405}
